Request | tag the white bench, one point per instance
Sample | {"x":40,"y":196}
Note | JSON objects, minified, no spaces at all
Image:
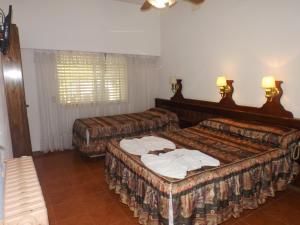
{"x":23,"y":198}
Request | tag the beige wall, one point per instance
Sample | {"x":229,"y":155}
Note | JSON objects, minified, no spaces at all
{"x":244,"y":40}
{"x":91,"y":25}
{"x":5,"y":139}
{"x":31,"y":93}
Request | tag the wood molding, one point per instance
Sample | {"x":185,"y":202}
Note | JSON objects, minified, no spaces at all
{"x":272,"y":108}
{"x":190,"y":112}
{"x":15,"y":96}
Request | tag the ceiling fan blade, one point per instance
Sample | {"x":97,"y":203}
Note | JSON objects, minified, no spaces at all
{"x":196,"y":1}
{"x":146,"y":6}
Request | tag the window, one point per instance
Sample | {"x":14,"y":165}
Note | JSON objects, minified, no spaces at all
{"x":91,"y":78}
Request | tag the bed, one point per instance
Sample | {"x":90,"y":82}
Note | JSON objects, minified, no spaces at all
{"x":91,"y":135}
{"x":256,"y":161}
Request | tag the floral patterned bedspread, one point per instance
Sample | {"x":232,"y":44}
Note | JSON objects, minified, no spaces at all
{"x":91,"y":135}
{"x":275,"y":136}
{"x":249,"y":173}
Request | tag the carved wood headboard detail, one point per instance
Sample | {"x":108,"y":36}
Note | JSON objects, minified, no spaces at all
{"x":274,"y":106}
{"x":191,"y":111}
{"x":178,"y":94}
{"x":227,"y":100}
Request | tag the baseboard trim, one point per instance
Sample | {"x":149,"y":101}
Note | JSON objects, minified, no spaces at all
{"x":39,"y":153}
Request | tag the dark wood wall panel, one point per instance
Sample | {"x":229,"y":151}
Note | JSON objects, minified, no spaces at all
{"x":15,"y":96}
{"x":190,"y":112}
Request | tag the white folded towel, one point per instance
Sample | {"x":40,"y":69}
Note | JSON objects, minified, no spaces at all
{"x":193,"y":159}
{"x":153,"y":143}
{"x":177,"y":163}
{"x":140,"y":146}
{"x":133,"y":146}
{"x":165,"y":166}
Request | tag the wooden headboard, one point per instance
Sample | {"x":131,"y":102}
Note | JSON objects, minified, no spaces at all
{"x":191,"y":111}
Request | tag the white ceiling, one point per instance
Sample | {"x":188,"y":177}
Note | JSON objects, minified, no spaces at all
{"x":139,"y":2}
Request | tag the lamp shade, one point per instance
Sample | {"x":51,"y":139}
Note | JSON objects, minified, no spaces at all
{"x":172,"y":80}
{"x":161,"y":3}
{"x":158,"y":3}
{"x":221,"y":81}
{"x":268,"y":82}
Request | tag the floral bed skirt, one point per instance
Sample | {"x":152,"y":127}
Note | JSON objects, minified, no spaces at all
{"x":206,"y":198}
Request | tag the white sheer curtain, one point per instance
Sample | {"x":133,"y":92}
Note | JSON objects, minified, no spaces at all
{"x":57,"y":119}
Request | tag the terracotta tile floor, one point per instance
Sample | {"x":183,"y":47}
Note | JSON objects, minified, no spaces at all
{"x":76,"y":194}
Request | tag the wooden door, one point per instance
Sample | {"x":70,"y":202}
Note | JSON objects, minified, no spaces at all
{"x":15,"y":96}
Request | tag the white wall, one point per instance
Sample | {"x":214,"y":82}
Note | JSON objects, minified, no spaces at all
{"x":244,"y":40}
{"x":32,"y":98}
{"x":31,"y":93}
{"x":91,"y":25}
{"x":5,"y":139}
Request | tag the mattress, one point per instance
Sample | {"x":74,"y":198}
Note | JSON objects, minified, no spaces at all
{"x":249,"y":173}
{"x":91,"y":135}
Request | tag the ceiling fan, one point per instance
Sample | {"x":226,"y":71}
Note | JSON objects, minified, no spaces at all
{"x":163,"y":3}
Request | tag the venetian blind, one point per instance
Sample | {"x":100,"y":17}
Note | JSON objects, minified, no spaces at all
{"x":91,"y":78}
